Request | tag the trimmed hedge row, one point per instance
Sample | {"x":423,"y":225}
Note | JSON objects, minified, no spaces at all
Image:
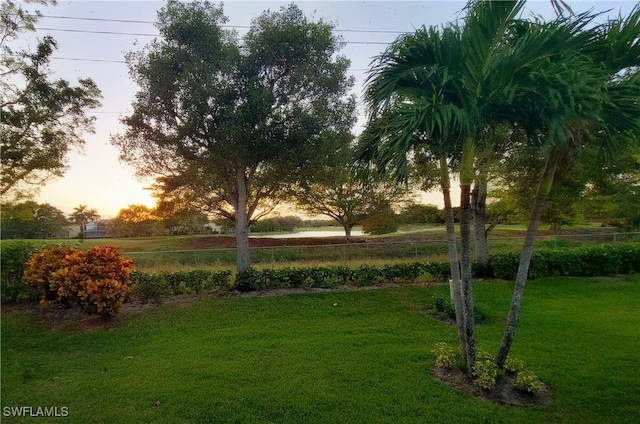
{"x":145,"y":286}
{"x":587,"y":261}
{"x":619,"y":258}
{"x":332,"y":276}
{"x":583,"y":261}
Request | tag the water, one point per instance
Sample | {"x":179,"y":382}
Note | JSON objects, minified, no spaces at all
{"x":325,"y":233}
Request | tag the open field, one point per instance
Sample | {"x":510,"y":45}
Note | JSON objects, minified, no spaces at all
{"x":340,"y":357}
{"x":172,"y":253}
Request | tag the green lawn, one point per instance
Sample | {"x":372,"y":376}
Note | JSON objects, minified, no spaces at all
{"x":338,"y":357}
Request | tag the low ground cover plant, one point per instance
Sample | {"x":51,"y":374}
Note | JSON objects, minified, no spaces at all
{"x":485,"y":373}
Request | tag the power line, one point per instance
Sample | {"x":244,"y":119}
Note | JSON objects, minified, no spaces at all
{"x":130,"y":21}
{"x":137,"y":34}
{"x":78,"y":59}
{"x":126,"y":21}
{"x":156,"y":35}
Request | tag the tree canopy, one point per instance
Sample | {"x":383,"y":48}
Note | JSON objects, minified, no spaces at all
{"x":229,"y":123}
{"x":334,"y":188}
{"x":41,"y":118}
{"x":31,"y":220}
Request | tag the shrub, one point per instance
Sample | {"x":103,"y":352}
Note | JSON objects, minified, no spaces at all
{"x":621,"y":258}
{"x":445,"y":355}
{"x":153,"y":286}
{"x":527,"y":381}
{"x":440,"y":270}
{"x":384,"y":222}
{"x":523,"y":379}
{"x":367,"y":275}
{"x":485,"y":371}
{"x":147,"y":287}
{"x":444,"y":307}
{"x":331,"y":276}
{"x":13,"y":257}
{"x":97,"y":280}
{"x":402,"y":273}
{"x":513,"y":365}
{"x":41,"y":273}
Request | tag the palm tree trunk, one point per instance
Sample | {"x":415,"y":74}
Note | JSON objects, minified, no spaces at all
{"x":466,"y":177}
{"x":243,"y":262}
{"x":479,"y":211}
{"x":455,"y":287}
{"x":525,"y":258}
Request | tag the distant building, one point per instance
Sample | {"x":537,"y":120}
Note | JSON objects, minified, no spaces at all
{"x":93,"y":230}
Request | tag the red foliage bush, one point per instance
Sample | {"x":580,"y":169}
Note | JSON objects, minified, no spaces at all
{"x":97,"y":280}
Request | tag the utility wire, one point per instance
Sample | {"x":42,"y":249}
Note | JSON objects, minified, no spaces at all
{"x":138,"y":34}
{"x":373,"y":31}
{"x":78,"y":59}
{"x":157,"y":35}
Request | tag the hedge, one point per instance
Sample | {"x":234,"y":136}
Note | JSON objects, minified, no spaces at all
{"x":13,"y":257}
{"x":608,"y":259}
{"x":331,"y":276}
{"x":145,"y":286}
{"x":619,"y":258}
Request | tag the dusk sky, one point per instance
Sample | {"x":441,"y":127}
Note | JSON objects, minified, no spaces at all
{"x":93,"y":37}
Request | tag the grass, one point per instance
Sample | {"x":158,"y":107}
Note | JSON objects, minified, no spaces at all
{"x":340,"y":357}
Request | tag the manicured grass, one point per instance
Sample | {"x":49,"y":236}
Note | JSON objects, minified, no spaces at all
{"x":337,"y":357}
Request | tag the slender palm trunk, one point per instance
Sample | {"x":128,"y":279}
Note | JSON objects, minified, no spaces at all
{"x":243,"y":262}
{"x":466,"y":177}
{"x":479,"y":211}
{"x":455,"y":284}
{"x":525,"y":258}
{"x":466,"y":281}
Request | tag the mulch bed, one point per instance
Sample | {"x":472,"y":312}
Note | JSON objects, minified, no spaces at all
{"x":504,"y":393}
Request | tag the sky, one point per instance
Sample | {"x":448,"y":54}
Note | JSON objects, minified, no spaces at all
{"x":93,"y":37}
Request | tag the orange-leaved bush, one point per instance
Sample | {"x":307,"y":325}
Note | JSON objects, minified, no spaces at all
{"x":97,"y":280}
{"x":42,"y":266}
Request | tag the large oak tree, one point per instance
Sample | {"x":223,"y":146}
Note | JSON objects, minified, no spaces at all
{"x":230,"y":122}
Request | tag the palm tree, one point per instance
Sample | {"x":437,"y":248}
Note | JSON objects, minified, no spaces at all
{"x":406,"y":92}
{"x":441,"y":90}
{"x":81,"y":216}
{"x":436,"y":90}
{"x":597,"y":89}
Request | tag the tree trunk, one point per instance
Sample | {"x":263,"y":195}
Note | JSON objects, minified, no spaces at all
{"x":479,"y":211}
{"x":466,"y":282}
{"x":466,"y":177}
{"x":454,"y":285}
{"x":347,"y":231}
{"x":525,"y":259}
{"x":243,"y":261}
